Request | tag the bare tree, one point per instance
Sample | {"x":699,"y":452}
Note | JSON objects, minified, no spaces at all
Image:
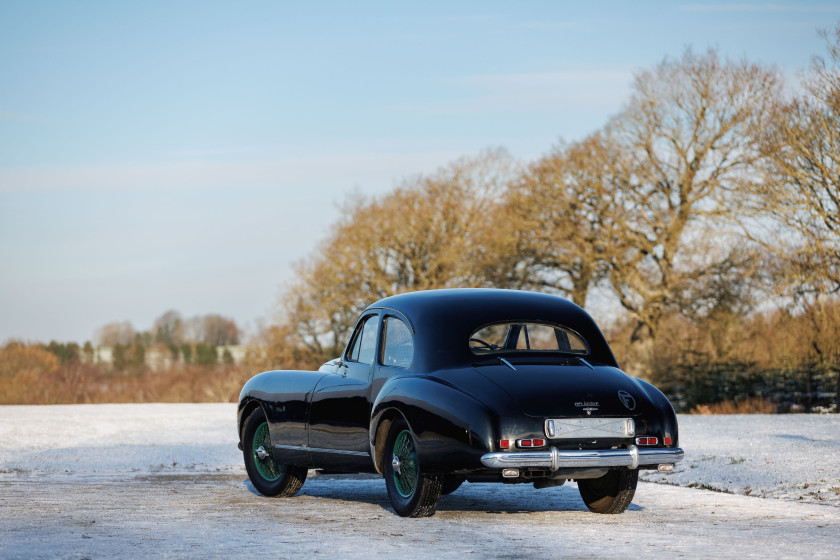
{"x":555,"y":227}
{"x":219,"y":331}
{"x":802,"y":181}
{"x":422,"y":235}
{"x":169,"y":328}
{"x":688,"y":155}
{"x":116,"y":333}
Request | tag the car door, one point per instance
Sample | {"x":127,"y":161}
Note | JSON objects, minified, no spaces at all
{"x":340,"y":410}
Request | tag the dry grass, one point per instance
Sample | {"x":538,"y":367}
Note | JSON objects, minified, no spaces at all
{"x":756,"y":405}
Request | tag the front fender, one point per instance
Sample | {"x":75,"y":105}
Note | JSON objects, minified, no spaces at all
{"x":452,"y":429}
{"x":284,"y":396}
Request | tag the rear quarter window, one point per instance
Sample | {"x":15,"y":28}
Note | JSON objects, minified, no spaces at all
{"x":398,"y":350}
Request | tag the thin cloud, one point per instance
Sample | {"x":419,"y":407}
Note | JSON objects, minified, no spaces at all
{"x":21,"y":117}
{"x":378,"y":171}
{"x":201,"y":153}
{"x":759,"y":8}
{"x":544,"y":92}
{"x":577,"y":25}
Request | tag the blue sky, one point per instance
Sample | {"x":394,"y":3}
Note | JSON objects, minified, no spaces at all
{"x":183,"y":155}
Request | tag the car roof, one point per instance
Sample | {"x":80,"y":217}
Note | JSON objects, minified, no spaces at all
{"x":443,"y":320}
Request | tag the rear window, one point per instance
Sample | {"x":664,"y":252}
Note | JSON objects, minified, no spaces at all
{"x":526,"y":337}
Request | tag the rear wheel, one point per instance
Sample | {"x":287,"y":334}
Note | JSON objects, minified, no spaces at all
{"x":611,"y":493}
{"x":269,"y":478}
{"x":411,"y":493}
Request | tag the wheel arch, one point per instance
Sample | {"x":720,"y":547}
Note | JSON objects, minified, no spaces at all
{"x":246,"y":408}
{"x":380,"y":426}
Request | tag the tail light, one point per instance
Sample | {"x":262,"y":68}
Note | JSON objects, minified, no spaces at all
{"x":646,"y":440}
{"x":535,"y":442}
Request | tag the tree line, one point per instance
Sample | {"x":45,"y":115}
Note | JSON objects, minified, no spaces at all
{"x":705,"y":210}
{"x":189,"y":341}
{"x":196,"y":365}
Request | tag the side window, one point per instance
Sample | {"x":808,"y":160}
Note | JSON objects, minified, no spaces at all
{"x":364,"y":346}
{"x":398,"y":350}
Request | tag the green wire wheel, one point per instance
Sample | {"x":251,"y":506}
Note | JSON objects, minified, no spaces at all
{"x":263,"y":458}
{"x":269,"y":474}
{"x":411,"y":492}
{"x":405,"y":465}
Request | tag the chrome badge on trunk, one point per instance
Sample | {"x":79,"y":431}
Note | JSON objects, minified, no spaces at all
{"x":588,"y":406}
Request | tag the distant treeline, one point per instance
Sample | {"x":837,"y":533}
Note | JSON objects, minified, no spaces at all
{"x":780,"y":361}
{"x":806,"y":389}
{"x":176,"y":361}
{"x":774,"y":362}
{"x":31,"y":374}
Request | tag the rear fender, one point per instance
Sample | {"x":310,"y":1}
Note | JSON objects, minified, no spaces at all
{"x":452,"y":429}
{"x":665,"y":424}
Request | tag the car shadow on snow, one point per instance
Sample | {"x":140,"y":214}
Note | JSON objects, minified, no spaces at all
{"x":483,"y":498}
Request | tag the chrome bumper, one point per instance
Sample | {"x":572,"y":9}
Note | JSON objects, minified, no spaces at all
{"x":555,"y":459}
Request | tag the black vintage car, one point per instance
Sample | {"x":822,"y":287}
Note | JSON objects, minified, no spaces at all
{"x":440,"y":387}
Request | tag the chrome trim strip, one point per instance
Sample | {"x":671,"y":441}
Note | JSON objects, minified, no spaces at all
{"x":321,"y":450}
{"x":555,"y":459}
{"x":587,"y":364}
{"x":507,"y":363}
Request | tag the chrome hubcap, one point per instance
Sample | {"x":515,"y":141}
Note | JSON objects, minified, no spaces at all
{"x":395,"y":463}
{"x":261,"y":452}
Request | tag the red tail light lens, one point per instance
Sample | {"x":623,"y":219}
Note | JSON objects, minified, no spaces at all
{"x":668,"y":440}
{"x":646,"y":440}
{"x":536,"y":442}
{"x":504,"y":444}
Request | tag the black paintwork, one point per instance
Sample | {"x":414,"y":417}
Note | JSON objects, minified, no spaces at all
{"x":457,"y":404}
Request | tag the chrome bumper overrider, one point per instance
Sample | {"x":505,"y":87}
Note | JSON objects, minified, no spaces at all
{"x":555,"y":459}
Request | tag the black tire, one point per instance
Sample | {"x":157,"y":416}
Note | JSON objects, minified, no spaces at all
{"x":611,"y":493}
{"x":269,"y":478}
{"x":411,"y":493}
{"x":450,"y":484}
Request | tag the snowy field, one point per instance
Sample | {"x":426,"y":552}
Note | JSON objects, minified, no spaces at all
{"x":166,"y":480}
{"x":785,"y":456}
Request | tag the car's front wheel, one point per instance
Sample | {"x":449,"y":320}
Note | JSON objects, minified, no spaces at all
{"x":611,"y":493}
{"x":411,"y":493}
{"x":269,"y":478}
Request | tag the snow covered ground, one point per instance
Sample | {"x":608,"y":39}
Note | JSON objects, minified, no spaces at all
{"x":166,"y":480}
{"x":123,"y":439}
{"x":785,"y":456}
{"x":791,"y":457}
